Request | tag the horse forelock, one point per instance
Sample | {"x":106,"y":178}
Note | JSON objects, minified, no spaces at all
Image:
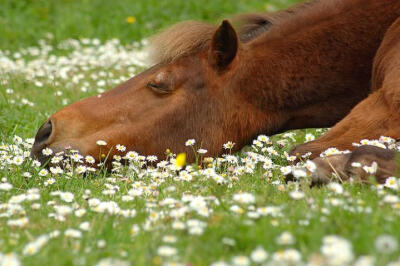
{"x":180,"y":39}
{"x":191,"y":36}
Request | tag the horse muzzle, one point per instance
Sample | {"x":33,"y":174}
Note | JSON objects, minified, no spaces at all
{"x":42,"y":139}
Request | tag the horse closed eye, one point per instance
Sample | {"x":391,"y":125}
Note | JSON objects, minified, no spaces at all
{"x":158,"y":88}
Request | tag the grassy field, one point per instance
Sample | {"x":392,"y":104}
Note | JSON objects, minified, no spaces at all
{"x":236,"y":211}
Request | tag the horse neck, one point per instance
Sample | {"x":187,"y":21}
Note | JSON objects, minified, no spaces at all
{"x":314,"y":75}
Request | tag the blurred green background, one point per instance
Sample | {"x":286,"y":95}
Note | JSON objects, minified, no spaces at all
{"x":24,"y":22}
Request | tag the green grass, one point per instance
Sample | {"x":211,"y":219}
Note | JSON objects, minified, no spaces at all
{"x":361,"y":217}
{"x":24,"y":22}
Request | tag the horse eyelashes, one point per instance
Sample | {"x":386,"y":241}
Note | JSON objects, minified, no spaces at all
{"x":158,"y":88}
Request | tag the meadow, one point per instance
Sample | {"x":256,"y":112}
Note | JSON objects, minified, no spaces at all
{"x":232,"y":210}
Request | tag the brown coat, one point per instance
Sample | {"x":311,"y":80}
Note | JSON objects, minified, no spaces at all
{"x":304,"y":67}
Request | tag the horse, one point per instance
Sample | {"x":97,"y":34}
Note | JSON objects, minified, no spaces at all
{"x":304,"y":67}
{"x":378,"y":114}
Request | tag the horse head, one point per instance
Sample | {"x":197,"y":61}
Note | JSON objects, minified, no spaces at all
{"x":190,"y":92}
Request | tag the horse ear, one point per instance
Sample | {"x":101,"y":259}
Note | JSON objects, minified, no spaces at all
{"x":224,"y":45}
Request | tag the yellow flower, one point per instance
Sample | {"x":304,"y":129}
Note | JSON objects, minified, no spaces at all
{"x":180,"y":159}
{"x":130,"y":20}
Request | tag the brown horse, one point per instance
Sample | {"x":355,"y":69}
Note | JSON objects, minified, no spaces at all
{"x":379,"y":114}
{"x":304,"y":67}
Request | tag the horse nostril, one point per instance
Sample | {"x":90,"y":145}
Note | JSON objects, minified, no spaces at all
{"x":44,"y":133}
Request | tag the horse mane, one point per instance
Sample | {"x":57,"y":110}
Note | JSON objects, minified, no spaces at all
{"x":188,"y":37}
{"x":311,"y":13}
{"x":183,"y":38}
